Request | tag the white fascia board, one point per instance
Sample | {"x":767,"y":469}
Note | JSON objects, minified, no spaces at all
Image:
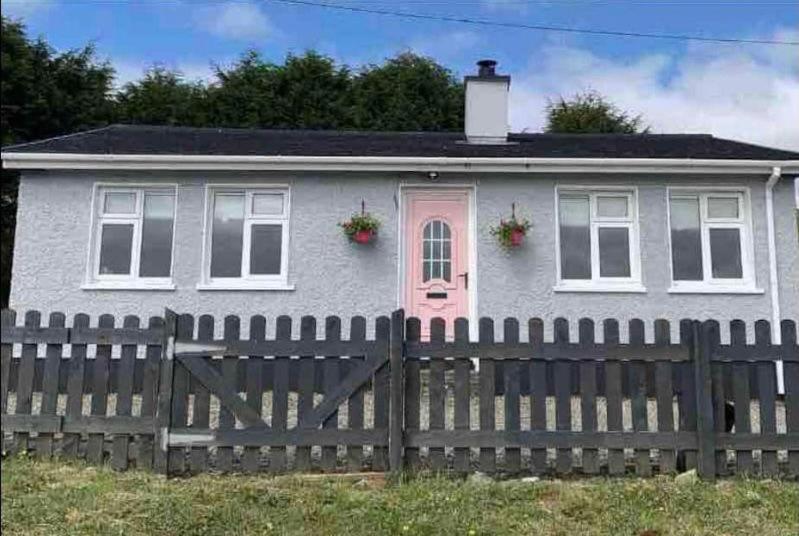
{"x":15,"y":160}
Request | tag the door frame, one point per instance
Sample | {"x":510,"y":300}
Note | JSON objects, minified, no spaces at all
{"x":470,"y":188}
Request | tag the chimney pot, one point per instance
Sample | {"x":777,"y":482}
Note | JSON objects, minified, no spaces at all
{"x":486,"y":68}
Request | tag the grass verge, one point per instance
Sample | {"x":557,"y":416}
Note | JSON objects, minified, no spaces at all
{"x":59,"y":497}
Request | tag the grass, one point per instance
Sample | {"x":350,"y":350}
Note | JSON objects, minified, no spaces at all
{"x":59,"y":497}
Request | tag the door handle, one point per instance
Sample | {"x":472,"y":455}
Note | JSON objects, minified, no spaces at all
{"x":465,"y":276}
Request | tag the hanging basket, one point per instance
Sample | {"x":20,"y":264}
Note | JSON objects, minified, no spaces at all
{"x":511,"y":232}
{"x":361,"y":228}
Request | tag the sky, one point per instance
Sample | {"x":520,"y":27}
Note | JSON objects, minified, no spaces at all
{"x":741,"y":91}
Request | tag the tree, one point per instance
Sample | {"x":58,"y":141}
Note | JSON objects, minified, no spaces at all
{"x":163,"y":97}
{"x":407,"y":92}
{"x":43,"y":94}
{"x":590,"y":113}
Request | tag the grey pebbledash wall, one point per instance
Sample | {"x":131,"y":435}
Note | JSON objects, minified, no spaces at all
{"x":334,"y":277}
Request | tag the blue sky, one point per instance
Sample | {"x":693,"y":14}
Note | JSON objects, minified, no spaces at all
{"x":742,"y":91}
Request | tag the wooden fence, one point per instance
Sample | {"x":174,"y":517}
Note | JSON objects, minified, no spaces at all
{"x":180,"y":397}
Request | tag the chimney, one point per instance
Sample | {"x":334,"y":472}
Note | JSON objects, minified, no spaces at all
{"x":486,"y":120}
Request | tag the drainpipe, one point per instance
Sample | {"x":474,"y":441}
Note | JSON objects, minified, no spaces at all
{"x":776,"y":335}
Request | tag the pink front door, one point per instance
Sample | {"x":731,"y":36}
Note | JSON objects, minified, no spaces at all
{"x":437,"y":262}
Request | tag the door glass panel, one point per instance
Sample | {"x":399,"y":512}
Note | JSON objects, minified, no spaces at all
{"x":116,"y":242}
{"x":227,"y":236}
{"x":722,"y":207}
{"x":725,"y":253}
{"x":614,"y":252}
{"x":120,"y":203}
{"x":436,"y":251}
{"x":265,"y":247}
{"x":156,"y":240}
{"x":575,"y":237}
{"x":611,"y":207}
{"x":686,"y":239}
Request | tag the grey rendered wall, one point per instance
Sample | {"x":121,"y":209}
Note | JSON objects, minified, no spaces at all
{"x":334,"y":277}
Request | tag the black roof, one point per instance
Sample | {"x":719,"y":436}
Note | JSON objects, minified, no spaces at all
{"x":164,"y":140}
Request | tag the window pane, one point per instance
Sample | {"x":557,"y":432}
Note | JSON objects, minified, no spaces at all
{"x":686,"y":240}
{"x":120,"y":203}
{"x":267,"y":204}
{"x":614,"y":252}
{"x":722,"y":207}
{"x":725,"y":253}
{"x":611,"y":207}
{"x":447,"y":272}
{"x":575,"y":238}
{"x":426,"y":269}
{"x":265,"y":248}
{"x":156,"y":238}
{"x":227,"y":236}
{"x":115,"y":248}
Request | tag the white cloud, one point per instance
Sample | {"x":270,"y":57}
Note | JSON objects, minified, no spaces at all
{"x":241,"y":21}
{"x":750,"y":94}
{"x":25,"y":8}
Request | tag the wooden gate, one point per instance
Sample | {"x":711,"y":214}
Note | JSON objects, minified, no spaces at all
{"x":208,"y":377}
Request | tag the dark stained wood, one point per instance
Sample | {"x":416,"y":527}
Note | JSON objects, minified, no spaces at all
{"x":52,"y":365}
{"x":791,"y":384}
{"x":8,"y":319}
{"x":355,"y":404}
{"x":280,"y":394}
{"x":254,"y":391}
{"x":512,"y":373}
{"x":201,"y":409}
{"x":95,"y":448}
{"x":706,"y":333}
{"x":741,"y":397}
{"x":767,"y":391}
{"x":436,"y":395}
{"x":538,"y":394}
{"x":462,"y":396}
{"x":565,"y":439}
{"x":127,"y":363}
{"x":588,"y":391}
{"x":638,"y":390}
{"x":687,"y":397}
{"x":563,"y":393}
{"x":563,"y":351}
{"x":108,"y":335}
{"x":180,"y":394}
{"x":413,"y":392}
{"x":149,"y":396}
{"x":12,"y":334}
{"x":381,"y":393}
{"x":25,"y":380}
{"x":488,"y":457}
{"x":305,"y":388}
{"x":300,"y":437}
{"x":76,"y":370}
{"x":227,"y":421}
{"x":664,"y":396}
{"x":613,"y":397}
{"x":164,"y":405}
{"x":332,"y":379}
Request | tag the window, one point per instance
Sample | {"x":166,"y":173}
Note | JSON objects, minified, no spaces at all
{"x":598,"y":241}
{"x":132,"y":238}
{"x":709,"y":235}
{"x":247,"y":238}
{"x":436,"y":251}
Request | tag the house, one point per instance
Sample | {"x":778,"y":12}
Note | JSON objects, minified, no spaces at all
{"x":130,"y":219}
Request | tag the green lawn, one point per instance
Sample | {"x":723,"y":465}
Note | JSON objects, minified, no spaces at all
{"x":70,"y":498}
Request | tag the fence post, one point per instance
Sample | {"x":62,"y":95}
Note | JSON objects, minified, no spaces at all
{"x":396,"y":390}
{"x":163,"y":414}
{"x":701,"y":353}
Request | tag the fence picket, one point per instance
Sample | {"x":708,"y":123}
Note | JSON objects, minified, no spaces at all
{"x":305,"y":388}
{"x":488,"y":459}
{"x":332,"y":378}
{"x":201,"y":409}
{"x":613,"y":397}
{"x":791,"y":380}
{"x":280,"y":393}
{"x":27,"y":365}
{"x":687,"y":400}
{"x":127,"y":366}
{"x":638,"y":396}
{"x":462,"y":409}
{"x":664,"y":396}
{"x":52,"y":365}
{"x":413,"y":392}
{"x":436,"y":394}
{"x":588,"y":395}
{"x":7,"y":320}
{"x":741,"y":397}
{"x":95,"y":448}
{"x":355,"y":403}
{"x":563,"y":393}
{"x":767,"y":391}
{"x":538,"y":393}
{"x":224,"y":455}
{"x":381,"y":395}
{"x":512,"y":373}
{"x":254,"y":391}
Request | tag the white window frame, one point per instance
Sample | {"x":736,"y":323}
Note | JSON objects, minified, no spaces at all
{"x":247,"y":281}
{"x":709,"y":284}
{"x":94,"y":280}
{"x":598,"y":283}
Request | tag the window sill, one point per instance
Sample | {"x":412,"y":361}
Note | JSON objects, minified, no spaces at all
{"x":715,"y":289}
{"x":601,"y":287}
{"x":126,"y":285}
{"x":245,"y":286}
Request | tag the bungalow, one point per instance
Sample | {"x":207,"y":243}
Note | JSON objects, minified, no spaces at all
{"x":130,"y":219}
